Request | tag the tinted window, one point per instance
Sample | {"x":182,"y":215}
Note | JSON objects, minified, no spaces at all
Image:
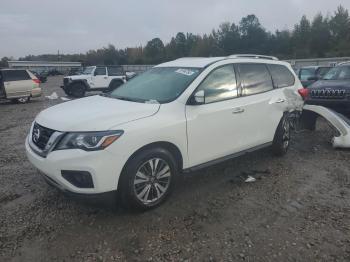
{"x":15,"y":75}
{"x":255,"y":78}
{"x":281,"y":76}
{"x":115,"y":71}
{"x":305,"y":73}
{"x":100,"y":71}
{"x":220,"y":85}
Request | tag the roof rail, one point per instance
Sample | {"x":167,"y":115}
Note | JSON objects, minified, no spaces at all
{"x":254,"y":56}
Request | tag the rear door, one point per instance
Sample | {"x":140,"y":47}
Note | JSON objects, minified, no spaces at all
{"x":17,"y":83}
{"x":263,"y":104}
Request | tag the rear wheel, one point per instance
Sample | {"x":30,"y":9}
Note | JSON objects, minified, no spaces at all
{"x":281,"y":140}
{"x":148,"y":179}
{"x":21,"y":100}
{"x":77,"y":90}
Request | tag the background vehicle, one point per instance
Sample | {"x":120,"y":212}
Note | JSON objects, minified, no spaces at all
{"x":18,"y":85}
{"x":310,"y":74}
{"x":93,"y":78}
{"x":42,"y":76}
{"x":333,"y":91}
{"x":179,"y":116}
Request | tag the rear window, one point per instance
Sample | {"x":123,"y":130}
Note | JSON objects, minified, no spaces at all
{"x":281,"y":76}
{"x":15,"y":75}
{"x":306,"y":73}
{"x":115,"y":71}
{"x":255,"y":77}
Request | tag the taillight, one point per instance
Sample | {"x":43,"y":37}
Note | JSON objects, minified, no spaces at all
{"x":36,"y":80}
{"x":304,"y":92}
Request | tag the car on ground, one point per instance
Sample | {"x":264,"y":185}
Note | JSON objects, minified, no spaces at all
{"x":18,"y":85}
{"x":311,"y":74}
{"x":177,"y":117}
{"x":333,"y":90}
{"x":94,"y":78}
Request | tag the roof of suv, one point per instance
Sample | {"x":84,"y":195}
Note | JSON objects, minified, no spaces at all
{"x":201,"y":62}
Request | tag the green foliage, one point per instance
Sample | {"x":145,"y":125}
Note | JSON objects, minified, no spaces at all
{"x":322,"y":37}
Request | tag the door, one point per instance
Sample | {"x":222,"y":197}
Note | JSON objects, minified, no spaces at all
{"x":213,"y":128}
{"x":263,"y":101}
{"x":100,"y":78}
{"x":17,"y":83}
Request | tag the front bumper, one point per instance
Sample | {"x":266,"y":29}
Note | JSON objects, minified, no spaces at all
{"x":104,"y":167}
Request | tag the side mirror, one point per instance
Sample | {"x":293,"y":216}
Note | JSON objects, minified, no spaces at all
{"x":199,"y":97}
{"x":313,"y":78}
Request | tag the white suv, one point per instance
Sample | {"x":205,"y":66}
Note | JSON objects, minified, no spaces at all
{"x":176,"y":117}
{"x":94,"y":78}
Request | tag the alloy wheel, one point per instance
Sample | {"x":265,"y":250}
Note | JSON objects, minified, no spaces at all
{"x":152,"y":180}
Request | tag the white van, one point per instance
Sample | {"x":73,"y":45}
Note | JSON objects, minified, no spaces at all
{"x":18,"y":85}
{"x":176,"y":117}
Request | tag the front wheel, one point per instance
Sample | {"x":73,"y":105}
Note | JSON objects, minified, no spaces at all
{"x":77,"y":90}
{"x":148,"y":179}
{"x":281,"y":140}
{"x":21,"y":100}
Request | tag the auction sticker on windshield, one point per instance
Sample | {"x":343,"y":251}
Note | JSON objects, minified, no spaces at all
{"x":187,"y":72}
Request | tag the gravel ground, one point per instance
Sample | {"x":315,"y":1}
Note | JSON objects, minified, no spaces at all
{"x":297,"y":210}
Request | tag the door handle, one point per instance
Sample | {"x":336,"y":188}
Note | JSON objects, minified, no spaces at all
{"x":281,"y":100}
{"x":237,"y":110}
{"x":105,"y":77}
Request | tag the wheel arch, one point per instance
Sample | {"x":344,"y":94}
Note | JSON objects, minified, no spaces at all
{"x":79,"y":81}
{"x":172,"y":148}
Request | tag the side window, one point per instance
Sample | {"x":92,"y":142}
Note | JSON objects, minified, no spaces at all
{"x":100,"y":71}
{"x":115,"y":71}
{"x":281,"y":76}
{"x":220,"y":85}
{"x":255,"y":78}
{"x":15,"y":75}
{"x":306,"y":73}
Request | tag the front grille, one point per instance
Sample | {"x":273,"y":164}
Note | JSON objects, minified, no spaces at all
{"x":328,"y":93}
{"x":41,"y":135}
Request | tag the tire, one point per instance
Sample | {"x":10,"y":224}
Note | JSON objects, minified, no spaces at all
{"x":114,"y":85}
{"x":138,"y":188}
{"x":21,"y":100}
{"x":281,"y":140}
{"x":77,"y":90}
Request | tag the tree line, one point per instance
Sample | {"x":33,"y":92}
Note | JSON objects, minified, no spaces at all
{"x":323,"y":36}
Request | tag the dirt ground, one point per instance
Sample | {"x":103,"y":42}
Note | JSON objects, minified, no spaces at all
{"x":297,"y":210}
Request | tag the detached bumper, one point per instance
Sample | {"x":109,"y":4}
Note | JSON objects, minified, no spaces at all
{"x":103,"y":167}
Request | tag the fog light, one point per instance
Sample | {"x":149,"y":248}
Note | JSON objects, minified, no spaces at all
{"x":81,"y":179}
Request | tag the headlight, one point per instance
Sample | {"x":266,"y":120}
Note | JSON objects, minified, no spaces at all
{"x":88,"y":141}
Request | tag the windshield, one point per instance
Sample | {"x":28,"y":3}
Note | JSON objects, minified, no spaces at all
{"x":338,"y":73}
{"x":88,"y":70}
{"x":158,"y":85}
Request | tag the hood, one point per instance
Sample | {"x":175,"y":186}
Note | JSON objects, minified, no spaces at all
{"x":333,"y":84}
{"x":94,"y":113}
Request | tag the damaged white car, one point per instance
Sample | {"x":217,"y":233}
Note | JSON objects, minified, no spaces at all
{"x":178,"y":116}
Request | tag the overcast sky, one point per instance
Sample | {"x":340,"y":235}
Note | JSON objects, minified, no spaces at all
{"x":71,"y":26}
